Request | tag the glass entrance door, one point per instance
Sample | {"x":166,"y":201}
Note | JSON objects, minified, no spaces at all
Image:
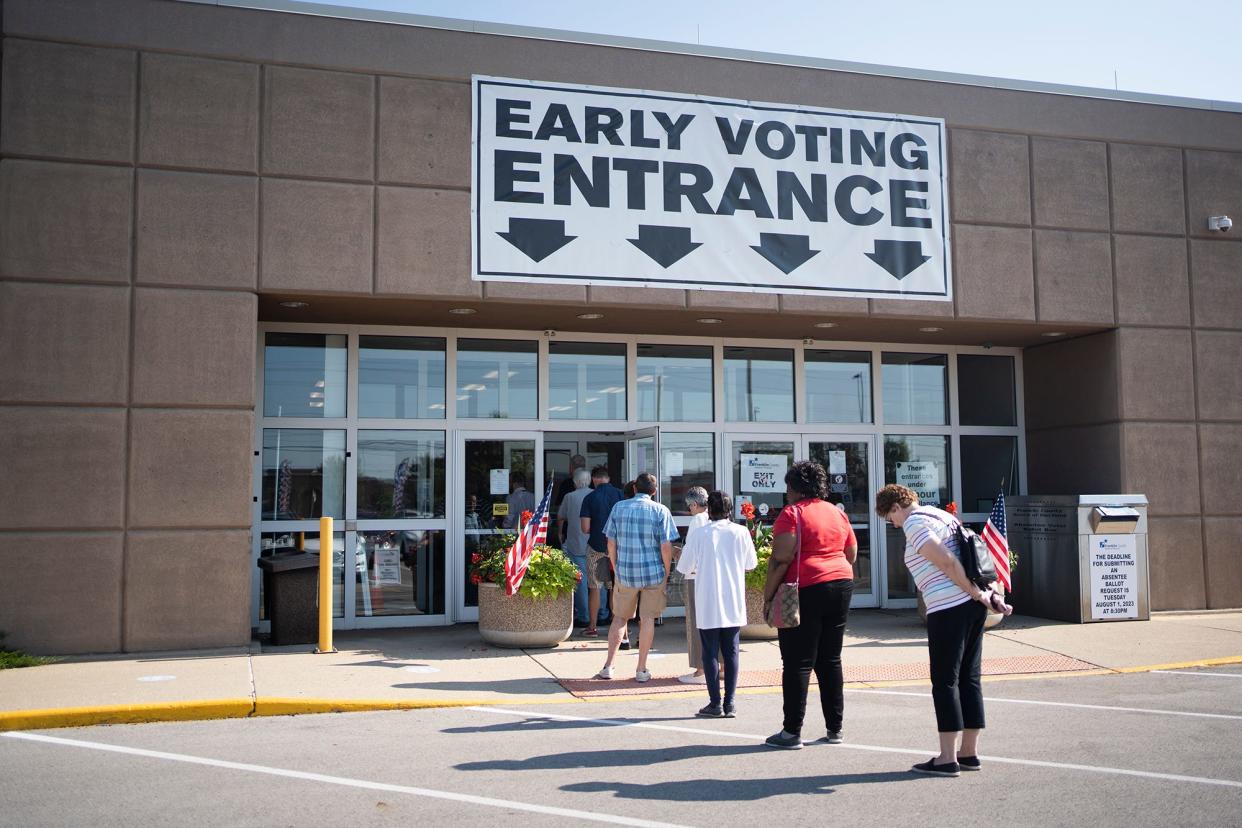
{"x":848,"y":463}
{"x":501,"y":474}
{"x":758,"y":465}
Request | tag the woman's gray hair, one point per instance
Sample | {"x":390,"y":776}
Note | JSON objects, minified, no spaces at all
{"x":582,"y":478}
{"x":696,"y":495}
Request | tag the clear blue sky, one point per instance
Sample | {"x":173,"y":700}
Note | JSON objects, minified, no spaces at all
{"x":1191,"y":49}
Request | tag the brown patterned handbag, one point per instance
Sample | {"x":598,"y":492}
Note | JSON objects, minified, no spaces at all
{"x":785,"y":610}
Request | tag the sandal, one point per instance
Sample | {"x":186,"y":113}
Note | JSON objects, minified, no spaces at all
{"x":590,"y":632}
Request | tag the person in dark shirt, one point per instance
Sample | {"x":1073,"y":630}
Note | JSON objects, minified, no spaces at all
{"x":596,"y":508}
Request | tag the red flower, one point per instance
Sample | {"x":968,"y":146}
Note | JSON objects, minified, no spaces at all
{"x":475,"y":558}
{"x":577,"y":577}
{"x":748,"y":510}
{"x":476,"y":580}
{"x":951,"y":507}
{"x":526,"y":516}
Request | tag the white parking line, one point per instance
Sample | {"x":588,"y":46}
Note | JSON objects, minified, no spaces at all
{"x":340,"y":780}
{"x":991,"y":700}
{"x":1196,"y":673}
{"x":750,"y":737}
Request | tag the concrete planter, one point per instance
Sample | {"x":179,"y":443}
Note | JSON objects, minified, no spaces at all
{"x":756,"y":628}
{"x":519,"y":622}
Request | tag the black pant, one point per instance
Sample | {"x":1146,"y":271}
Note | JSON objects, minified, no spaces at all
{"x":955,"y":647}
{"x":815,"y":644}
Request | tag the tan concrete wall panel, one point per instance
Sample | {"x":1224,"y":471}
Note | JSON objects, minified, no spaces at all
{"x":63,"y":343}
{"x":65,"y":221}
{"x":1161,"y":460}
{"x":190,"y":468}
{"x":1153,"y":281}
{"x":1222,"y":558}
{"x":197,"y":230}
{"x":199,"y":113}
{"x":67,"y":101}
{"x":727,"y":300}
{"x":1216,"y":283}
{"x":1213,"y":188}
{"x":194,"y":347}
{"x":317,"y":236}
{"x":1074,"y":277}
{"x":1222,"y":473}
{"x":187,"y":589}
{"x":70,"y":601}
{"x":64,"y":468}
{"x":424,"y":243}
{"x":521,"y":292}
{"x":319,"y":124}
{"x":994,"y":272}
{"x":1147,"y":189}
{"x":1074,"y":382}
{"x":1218,"y":365}
{"x":643,"y":297}
{"x":911,"y":308}
{"x":1071,"y":183}
{"x":1175,"y":563}
{"x":990,"y":174}
{"x":827,"y":305}
{"x":424,"y":132}
{"x":1157,"y":374}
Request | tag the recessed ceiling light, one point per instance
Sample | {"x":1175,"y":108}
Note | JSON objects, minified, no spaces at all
{"x":825,"y":324}
{"x":295,"y":305}
{"x":1054,"y":333}
{"x":931,"y":329}
{"x":590,"y":316}
{"x":462,"y":311}
{"x":709,"y":320}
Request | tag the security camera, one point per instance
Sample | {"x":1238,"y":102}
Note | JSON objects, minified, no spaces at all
{"x":1221,"y":223}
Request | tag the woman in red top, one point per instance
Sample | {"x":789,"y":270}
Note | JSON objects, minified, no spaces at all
{"x":825,"y":577}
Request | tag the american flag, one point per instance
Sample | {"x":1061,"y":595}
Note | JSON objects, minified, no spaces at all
{"x":532,"y":534}
{"x":994,"y":537}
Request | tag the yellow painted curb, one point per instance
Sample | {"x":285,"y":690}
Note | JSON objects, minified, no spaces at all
{"x":296,"y":707}
{"x":125,"y":714}
{"x":1181,"y":665}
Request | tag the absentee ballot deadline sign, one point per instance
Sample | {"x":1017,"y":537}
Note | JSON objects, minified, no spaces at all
{"x":599,"y":186}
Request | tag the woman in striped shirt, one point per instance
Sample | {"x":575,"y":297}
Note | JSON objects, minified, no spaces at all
{"x":956,"y":610}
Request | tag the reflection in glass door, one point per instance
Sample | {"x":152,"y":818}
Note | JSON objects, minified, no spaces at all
{"x":499,"y":480}
{"x":848,"y":463}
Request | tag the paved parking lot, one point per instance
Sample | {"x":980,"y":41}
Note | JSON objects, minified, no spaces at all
{"x":1142,"y":749}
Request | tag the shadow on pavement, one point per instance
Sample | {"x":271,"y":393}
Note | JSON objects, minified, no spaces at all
{"x":613,"y":759}
{"x":737,"y":790}
{"x":561,"y":724}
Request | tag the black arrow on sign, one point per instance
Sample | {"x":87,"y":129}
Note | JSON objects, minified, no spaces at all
{"x":900,"y":258}
{"x":787,"y":252}
{"x":537,"y":238}
{"x":664,"y":244}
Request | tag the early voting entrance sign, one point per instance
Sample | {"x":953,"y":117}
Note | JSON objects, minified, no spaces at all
{"x":600,"y":186}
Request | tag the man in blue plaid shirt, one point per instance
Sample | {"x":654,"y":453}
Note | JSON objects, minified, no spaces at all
{"x":640,"y":535}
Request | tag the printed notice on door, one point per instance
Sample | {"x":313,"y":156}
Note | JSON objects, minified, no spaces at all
{"x":1114,"y":577}
{"x":764,"y":472}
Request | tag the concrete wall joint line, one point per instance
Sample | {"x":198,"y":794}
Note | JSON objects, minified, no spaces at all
{"x":66,"y":159}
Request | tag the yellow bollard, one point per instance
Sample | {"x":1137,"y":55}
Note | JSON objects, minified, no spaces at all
{"x":326,"y":542}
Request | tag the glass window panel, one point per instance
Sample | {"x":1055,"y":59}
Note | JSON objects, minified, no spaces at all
{"x":985,"y":391}
{"x":304,"y":375}
{"x":675,"y":383}
{"x":303,"y":474}
{"x":401,"y":377}
{"x":915,"y":389}
{"x":288,"y":543}
{"x":686,"y":460}
{"x":497,"y":378}
{"x":768,"y":504}
{"x":900,"y":583}
{"x":920,"y":462}
{"x":400,"y":474}
{"x":586,"y":381}
{"x":986,"y":461}
{"x":838,"y":386}
{"x":400,"y":572}
{"x":759,"y":385}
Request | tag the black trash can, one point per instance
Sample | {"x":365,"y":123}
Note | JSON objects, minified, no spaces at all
{"x":290,"y":597}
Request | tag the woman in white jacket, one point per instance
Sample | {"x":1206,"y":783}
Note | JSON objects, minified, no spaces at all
{"x":719,"y":554}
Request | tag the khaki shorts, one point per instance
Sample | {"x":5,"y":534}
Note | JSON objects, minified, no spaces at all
{"x":625,"y":600}
{"x":599,"y":570}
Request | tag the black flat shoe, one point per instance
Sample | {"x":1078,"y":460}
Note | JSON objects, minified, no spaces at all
{"x":969,"y":763}
{"x":931,"y":769}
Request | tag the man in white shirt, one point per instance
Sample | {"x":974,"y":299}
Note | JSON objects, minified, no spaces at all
{"x":719,"y":554}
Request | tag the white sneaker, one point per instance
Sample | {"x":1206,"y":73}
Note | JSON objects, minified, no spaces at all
{"x":604,"y":674}
{"x":642,"y":675}
{"x":691,"y":678}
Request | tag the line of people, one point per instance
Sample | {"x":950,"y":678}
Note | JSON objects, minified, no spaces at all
{"x":814,"y":547}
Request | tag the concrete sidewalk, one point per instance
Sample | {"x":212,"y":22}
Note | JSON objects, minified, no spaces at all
{"x":429,"y":667}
